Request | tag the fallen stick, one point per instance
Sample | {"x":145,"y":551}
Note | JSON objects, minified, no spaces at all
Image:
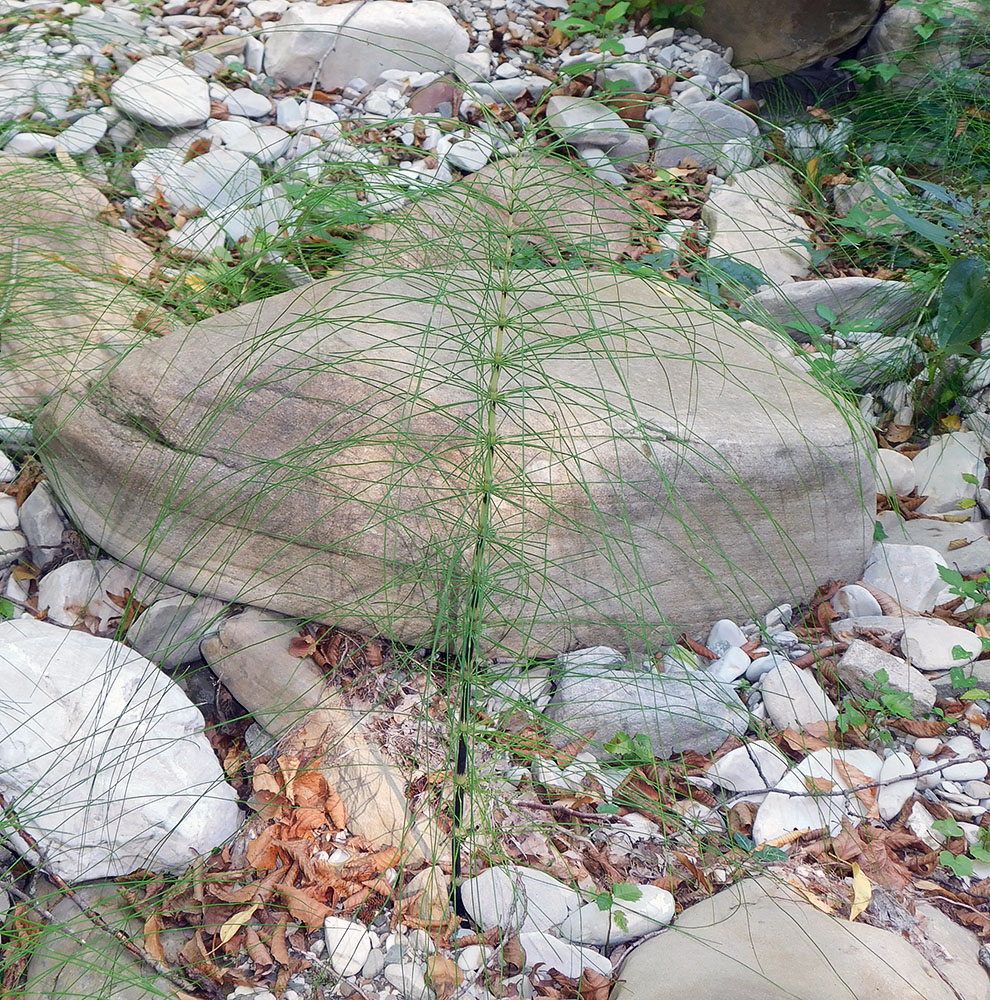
{"x":179,"y":981}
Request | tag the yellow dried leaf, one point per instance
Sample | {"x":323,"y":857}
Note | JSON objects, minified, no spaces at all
{"x":236,"y":922}
{"x":959,"y":543}
{"x":862,"y":892}
{"x":816,"y":901}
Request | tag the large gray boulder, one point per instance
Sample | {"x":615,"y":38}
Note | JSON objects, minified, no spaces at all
{"x":760,"y":939}
{"x":71,"y":283}
{"x":566,"y":457}
{"x":786,"y":35}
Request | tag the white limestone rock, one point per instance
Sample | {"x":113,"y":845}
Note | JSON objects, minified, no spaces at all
{"x":755,"y":765}
{"x":348,"y":945}
{"x":942,"y":468}
{"x":861,"y":662}
{"x":170,"y":631}
{"x":794,"y":699}
{"x":163,"y":92}
{"x":103,"y":758}
{"x":82,"y":135}
{"x":791,"y":807}
{"x":725,"y":633}
{"x":908,"y":573}
{"x":365,"y":39}
{"x":582,"y":121}
{"x":896,"y":473}
{"x":591,"y":925}
{"x":750,"y":217}
{"x":930,"y":644}
{"x":550,"y":952}
{"x":891,"y":797}
{"x":854,"y":601}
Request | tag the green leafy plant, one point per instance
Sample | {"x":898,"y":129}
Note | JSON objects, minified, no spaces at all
{"x":869,"y":710}
{"x":962,"y":864}
{"x":619,"y":893}
{"x":630,"y":751}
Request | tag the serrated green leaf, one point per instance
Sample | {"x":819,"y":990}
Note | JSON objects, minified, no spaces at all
{"x":620,"y":920}
{"x":603,"y":901}
{"x":627,"y":891}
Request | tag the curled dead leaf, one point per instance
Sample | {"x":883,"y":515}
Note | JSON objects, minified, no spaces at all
{"x":443,"y":975}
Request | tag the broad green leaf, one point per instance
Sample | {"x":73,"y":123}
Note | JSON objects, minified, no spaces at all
{"x":975,"y":694}
{"x":627,"y":891}
{"x":947,"y":827}
{"x":968,"y":477}
{"x":603,"y":900}
{"x":951,"y":576}
{"x":922,"y":227}
{"x":825,"y":313}
{"x":961,"y":653}
{"x":615,"y":12}
{"x":980,"y":853}
{"x":7,"y":609}
{"x":961,"y":864}
{"x":964,"y":308}
{"x":879,"y":535}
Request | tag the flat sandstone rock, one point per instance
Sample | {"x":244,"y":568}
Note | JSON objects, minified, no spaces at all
{"x":324,"y":453}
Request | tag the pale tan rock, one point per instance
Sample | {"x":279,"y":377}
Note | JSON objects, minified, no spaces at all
{"x":472,"y":219}
{"x":289,"y":696}
{"x":317,"y":453}
{"x":760,"y":939}
{"x":70,"y":283}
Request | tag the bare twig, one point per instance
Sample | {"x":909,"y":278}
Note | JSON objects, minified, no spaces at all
{"x":182,"y":982}
{"x":934,"y":769}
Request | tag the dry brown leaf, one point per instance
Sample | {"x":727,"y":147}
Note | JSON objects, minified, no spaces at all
{"x":853,"y":777}
{"x":310,"y":789}
{"x":443,"y":975}
{"x":277,"y":943}
{"x":513,"y":955}
{"x":805,"y":742}
{"x":741,"y":816}
{"x":152,"y":944}
{"x":262,"y":853}
{"x":303,"y":906}
{"x":306,"y":820}
{"x":594,"y":986}
{"x":334,"y":808}
{"x":918,"y":727}
{"x":256,"y":949}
